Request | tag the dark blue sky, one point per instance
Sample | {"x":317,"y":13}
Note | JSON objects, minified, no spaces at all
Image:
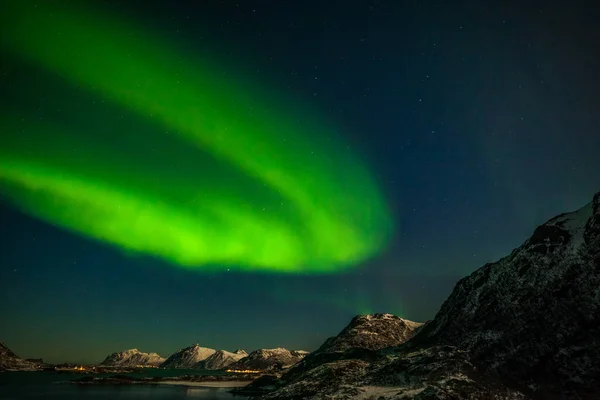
{"x":479,"y":121}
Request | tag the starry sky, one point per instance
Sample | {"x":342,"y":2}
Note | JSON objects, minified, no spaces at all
{"x":369,"y":155}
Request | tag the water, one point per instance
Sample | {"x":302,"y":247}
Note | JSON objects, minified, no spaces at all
{"x":42,"y":385}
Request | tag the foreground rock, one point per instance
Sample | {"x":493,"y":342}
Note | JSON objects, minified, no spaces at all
{"x":221,"y":359}
{"x":527,"y":326}
{"x":269,"y":359}
{"x":133,"y":358}
{"x":188,"y":358}
{"x":9,"y":361}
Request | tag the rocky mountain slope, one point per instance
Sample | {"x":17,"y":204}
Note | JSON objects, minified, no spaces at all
{"x":372,"y":332}
{"x":527,"y":326}
{"x":133,"y":358}
{"x":533,"y":317}
{"x":188,"y":357}
{"x":9,"y":361}
{"x":221,"y":359}
{"x":270,"y":359}
{"x":361,"y":339}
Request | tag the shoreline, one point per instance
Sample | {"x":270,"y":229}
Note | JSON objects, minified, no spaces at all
{"x":207,"y":384}
{"x":232,"y":382}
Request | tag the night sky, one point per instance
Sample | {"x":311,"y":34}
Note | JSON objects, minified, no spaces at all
{"x":352,"y":157}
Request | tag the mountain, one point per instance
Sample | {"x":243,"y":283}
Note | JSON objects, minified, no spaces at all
{"x":361,"y":339}
{"x":221,"y":359}
{"x":188,"y":357}
{"x":9,"y":361}
{"x":270,"y":359}
{"x":525,"y":327}
{"x":533,"y":317}
{"x":372,"y":332}
{"x":133,"y":358}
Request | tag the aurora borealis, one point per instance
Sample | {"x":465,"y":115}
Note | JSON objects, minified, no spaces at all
{"x":279,"y":193}
{"x":248,"y":174}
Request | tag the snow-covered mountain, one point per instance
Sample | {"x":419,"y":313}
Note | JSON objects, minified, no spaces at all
{"x":525,"y":327}
{"x":533,"y":317}
{"x":188,"y":357}
{"x":133,"y":358}
{"x":270,"y":359}
{"x":372,"y":332}
{"x":9,"y":361}
{"x":221,"y":359}
{"x":361,"y":339}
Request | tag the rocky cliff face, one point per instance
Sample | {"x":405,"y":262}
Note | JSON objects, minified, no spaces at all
{"x":9,"y":361}
{"x":270,"y":359}
{"x":133,"y":358}
{"x":221,"y":359}
{"x":533,"y":317}
{"x":188,"y":358}
{"x":527,"y":326}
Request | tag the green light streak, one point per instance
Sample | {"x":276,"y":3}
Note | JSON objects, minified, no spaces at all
{"x":335,"y":217}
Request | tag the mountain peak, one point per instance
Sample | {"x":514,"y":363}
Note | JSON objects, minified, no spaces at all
{"x":361,"y":338}
{"x":270,"y":359}
{"x":188,"y":357}
{"x":133,"y":358}
{"x":372,"y":332}
{"x":220,"y":359}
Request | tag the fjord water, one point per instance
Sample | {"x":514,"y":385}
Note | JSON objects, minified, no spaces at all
{"x":45,"y":386}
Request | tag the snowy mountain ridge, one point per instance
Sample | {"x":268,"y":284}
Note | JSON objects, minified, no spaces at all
{"x":133,"y":358}
{"x":221,"y":359}
{"x":373,"y":332}
{"x":188,"y":357}
{"x":270,"y":359}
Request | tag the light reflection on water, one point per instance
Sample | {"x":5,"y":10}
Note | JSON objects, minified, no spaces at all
{"x":42,"y":386}
{"x":70,"y":392}
{"x":202,"y":393}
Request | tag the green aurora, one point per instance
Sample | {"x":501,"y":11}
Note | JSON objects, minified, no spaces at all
{"x":182,"y":161}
